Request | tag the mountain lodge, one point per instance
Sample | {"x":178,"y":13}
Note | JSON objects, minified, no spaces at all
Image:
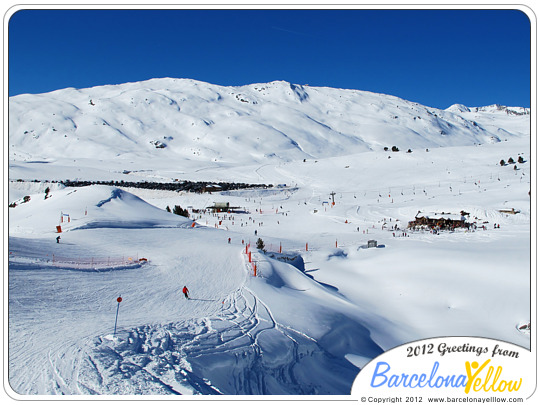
{"x":441,"y":221}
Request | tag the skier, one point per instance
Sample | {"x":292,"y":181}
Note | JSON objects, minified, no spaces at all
{"x":186,"y":292}
{"x":58,"y":239}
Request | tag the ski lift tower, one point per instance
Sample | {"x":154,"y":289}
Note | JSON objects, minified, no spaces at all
{"x":333,"y":194}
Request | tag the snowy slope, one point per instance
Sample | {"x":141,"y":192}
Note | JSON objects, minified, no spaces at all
{"x":314,"y":314}
{"x":166,"y":344}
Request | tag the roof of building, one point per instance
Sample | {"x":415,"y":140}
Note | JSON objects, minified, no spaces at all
{"x":435,"y":216}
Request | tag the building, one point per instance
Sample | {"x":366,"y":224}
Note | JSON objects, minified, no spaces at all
{"x":438,"y":221}
{"x":512,"y":211}
{"x":371,"y":243}
{"x":219,"y":207}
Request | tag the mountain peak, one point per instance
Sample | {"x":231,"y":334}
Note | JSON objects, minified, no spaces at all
{"x":458,"y":108}
{"x":493,"y":108}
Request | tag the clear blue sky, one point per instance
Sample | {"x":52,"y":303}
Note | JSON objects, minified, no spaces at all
{"x":433,"y":57}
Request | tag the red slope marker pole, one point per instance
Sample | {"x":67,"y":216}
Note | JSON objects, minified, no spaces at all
{"x":119,"y":300}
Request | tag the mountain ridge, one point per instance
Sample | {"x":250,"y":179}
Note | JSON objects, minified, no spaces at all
{"x":186,"y":120}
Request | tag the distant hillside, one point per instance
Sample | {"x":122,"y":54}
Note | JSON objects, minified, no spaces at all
{"x":183,"y":119}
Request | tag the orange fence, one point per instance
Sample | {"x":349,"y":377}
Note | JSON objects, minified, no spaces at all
{"x":97,"y":262}
{"x":252,"y":264}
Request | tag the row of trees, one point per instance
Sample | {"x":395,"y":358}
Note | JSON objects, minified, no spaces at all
{"x":396,"y":149}
{"x":511,"y":161}
{"x":191,"y":186}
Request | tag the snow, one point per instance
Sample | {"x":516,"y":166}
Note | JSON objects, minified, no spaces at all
{"x":315,"y":313}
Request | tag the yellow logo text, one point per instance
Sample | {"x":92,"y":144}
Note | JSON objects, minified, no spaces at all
{"x":488,"y":381}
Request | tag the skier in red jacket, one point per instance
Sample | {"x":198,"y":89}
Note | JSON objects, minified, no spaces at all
{"x":186,"y":292}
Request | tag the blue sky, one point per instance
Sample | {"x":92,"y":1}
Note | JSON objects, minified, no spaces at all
{"x":433,"y":57}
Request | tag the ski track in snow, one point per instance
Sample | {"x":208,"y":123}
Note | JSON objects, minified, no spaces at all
{"x":170,"y":358}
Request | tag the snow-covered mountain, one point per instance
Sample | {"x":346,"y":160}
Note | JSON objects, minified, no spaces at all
{"x":334,"y":286}
{"x":191,"y":122}
{"x":460,"y":108}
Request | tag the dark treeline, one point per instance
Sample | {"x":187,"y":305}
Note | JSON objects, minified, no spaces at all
{"x":190,"y":186}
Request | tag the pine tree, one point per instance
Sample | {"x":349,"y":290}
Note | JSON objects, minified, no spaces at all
{"x":260,"y":244}
{"x":180,"y":211}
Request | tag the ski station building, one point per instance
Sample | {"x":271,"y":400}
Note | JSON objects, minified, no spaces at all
{"x":438,"y":221}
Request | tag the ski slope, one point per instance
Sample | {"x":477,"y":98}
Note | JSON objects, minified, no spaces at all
{"x":165,"y":344}
{"x":311,"y":316}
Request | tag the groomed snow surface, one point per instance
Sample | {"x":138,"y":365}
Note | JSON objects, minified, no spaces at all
{"x":310,"y":318}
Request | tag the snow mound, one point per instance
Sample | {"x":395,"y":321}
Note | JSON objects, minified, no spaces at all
{"x":125,"y":210}
{"x":88,"y":207}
